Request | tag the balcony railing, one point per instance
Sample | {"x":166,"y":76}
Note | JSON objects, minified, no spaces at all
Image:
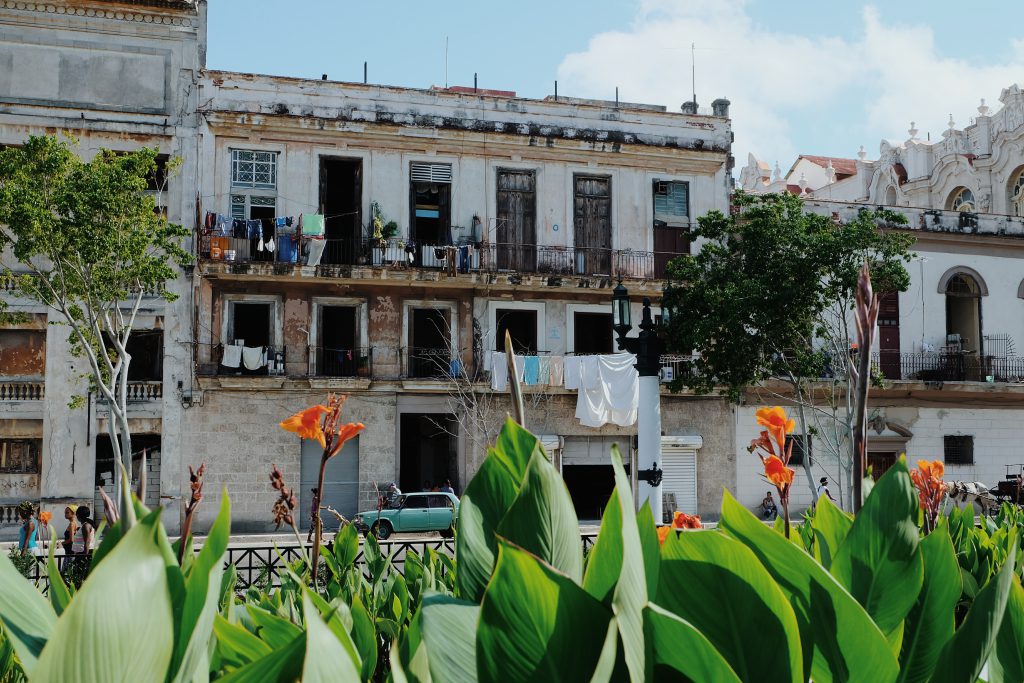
{"x":337,"y":362}
{"x":428,"y":363}
{"x":210,"y":362}
{"x":493,"y":258}
{"x":948,"y":367}
{"x":22,"y":391}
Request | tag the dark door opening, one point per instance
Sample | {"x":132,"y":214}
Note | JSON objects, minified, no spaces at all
{"x":146,"y":348}
{"x":889,"y":335}
{"x":592,"y":225}
{"x":428,"y":451}
{"x":522,"y":328}
{"x":341,"y":191}
{"x":266,"y":215}
{"x":590,"y":487}
{"x":431,"y":218}
{"x":250,"y":328}
{"x":516,"y":220}
{"x":338,"y":354}
{"x":429,"y":348}
{"x":879,"y":463}
{"x":106,"y":466}
{"x":592,"y":333}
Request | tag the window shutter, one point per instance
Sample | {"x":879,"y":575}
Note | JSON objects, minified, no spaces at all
{"x":430,"y":173}
{"x":671,"y":201}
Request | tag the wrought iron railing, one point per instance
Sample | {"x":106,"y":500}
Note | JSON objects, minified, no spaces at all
{"x":326,"y":361}
{"x":948,"y":367}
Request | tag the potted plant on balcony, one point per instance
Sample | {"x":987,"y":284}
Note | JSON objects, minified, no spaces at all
{"x":382,"y":230}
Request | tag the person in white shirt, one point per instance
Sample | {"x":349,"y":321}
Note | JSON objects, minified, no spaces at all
{"x":822,"y":489}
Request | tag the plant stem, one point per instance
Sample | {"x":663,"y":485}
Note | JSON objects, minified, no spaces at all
{"x":315,"y":517}
{"x":785,"y":515}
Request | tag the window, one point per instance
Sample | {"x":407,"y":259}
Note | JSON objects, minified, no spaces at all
{"x":156,"y":184}
{"x":19,"y":456}
{"x":802,"y":445}
{"x":415,"y":503}
{"x":671,"y":202}
{"x":430,"y":198}
{"x":1016,"y":191}
{"x":522,"y":328}
{"x":962,"y":199}
{"x":253,"y":169}
{"x":958,"y":449}
{"x":440,"y":501}
{"x":146,"y":348}
{"x":592,"y":333}
{"x":258,"y":172}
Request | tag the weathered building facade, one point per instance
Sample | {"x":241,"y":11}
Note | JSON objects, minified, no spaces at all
{"x":432,"y":222}
{"x":114,"y":75}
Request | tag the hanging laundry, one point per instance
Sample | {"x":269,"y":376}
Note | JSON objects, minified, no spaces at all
{"x":499,"y":371}
{"x":312,"y":225}
{"x":609,"y":390}
{"x":545,"y":370}
{"x":556,"y":372}
{"x":224,"y":225}
{"x":571,"y":368}
{"x":238,"y":229}
{"x":254,"y":357}
{"x":232,"y":356}
{"x":287,"y":252}
{"x":254,"y":229}
{"x":271,"y":246}
{"x":314,"y":251}
{"x":531,"y":371}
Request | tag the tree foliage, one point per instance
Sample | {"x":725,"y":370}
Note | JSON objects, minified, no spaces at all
{"x":85,"y":238}
{"x":756,"y":295}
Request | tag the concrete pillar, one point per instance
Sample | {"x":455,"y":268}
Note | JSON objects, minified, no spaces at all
{"x":649,"y":442}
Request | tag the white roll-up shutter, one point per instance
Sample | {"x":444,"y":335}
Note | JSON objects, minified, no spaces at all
{"x":553,"y":447}
{"x":679,"y":467}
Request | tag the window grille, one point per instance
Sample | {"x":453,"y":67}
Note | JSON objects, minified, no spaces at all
{"x":802,"y":444}
{"x":431,"y":173}
{"x":253,"y":169}
{"x":958,"y":449}
{"x":19,"y":456}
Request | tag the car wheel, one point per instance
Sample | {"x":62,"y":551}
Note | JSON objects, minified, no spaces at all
{"x":382,"y":530}
{"x":447,"y":533}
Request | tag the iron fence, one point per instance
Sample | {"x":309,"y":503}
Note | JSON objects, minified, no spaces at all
{"x":262,"y":565}
{"x":326,"y":361}
{"x":948,"y":367}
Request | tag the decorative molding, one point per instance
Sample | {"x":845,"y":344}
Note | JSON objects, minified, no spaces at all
{"x":958,"y":270}
{"x":117,"y":15}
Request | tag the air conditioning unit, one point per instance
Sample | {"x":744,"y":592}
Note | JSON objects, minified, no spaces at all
{"x":667,"y":374}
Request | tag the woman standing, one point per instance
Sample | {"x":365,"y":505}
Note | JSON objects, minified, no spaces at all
{"x":72,"y":529}
{"x":27,"y":533}
{"x":43,"y":534}
{"x":88,"y":529}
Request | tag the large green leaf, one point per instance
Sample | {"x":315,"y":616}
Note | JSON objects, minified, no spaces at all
{"x":346,"y":546}
{"x":831,"y":526}
{"x":966,"y":652}
{"x":202,"y":594}
{"x":60,"y":594}
{"x":879,"y":563}
{"x":604,"y":564}
{"x":649,"y":545}
{"x":682,"y":648}
{"x":326,"y":660}
{"x":282,"y":664}
{"x":605,"y":669}
{"x":364,"y":636}
{"x":514,"y":448}
{"x":542,"y":519}
{"x":846,"y":640}
{"x":537,"y":624}
{"x":120,"y":625}
{"x":275,"y":631}
{"x":930,"y":622}
{"x":27,"y":616}
{"x":448,"y":630}
{"x":408,"y":657}
{"x":717,"y":584}
{"x":236,"y":645}
{"x":483,"y":505}
{"x":1007,"y":662}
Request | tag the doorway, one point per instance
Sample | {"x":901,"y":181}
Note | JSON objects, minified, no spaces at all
{"x":889,"y":335}
{"x":521,"y":325}
{"x":338,"y":354}
{"x":592,"y":333}
{"x":341,"y":192}
{"x":428,"y":450}
{"x":106,"y":467}
{"x":516,"y":220}
{"x":879,"y":462}
{"x":429,"y":346}
{"x":671,"y":223}
{"x":592,"y":224}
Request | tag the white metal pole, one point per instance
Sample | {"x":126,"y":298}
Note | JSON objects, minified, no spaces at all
{"x":649,"y":442}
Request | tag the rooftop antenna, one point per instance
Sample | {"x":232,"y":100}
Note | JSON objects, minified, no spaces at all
{"x":693,"y":71}
{"x":446,"y":62}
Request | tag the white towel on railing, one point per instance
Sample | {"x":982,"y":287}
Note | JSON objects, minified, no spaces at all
{"x":499,"y":370}
{"x":232,"y":356}
{"x":254,"y":357}
{"x":572,"y":372}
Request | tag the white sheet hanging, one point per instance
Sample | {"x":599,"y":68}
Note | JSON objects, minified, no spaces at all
{"x":609,"y":390}
{"x":254,"y":357}
{"x":232,"y":356}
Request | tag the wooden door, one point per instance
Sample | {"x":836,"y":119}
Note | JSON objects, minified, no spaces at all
{"x":592,"y":224}
{"x":889,"y":335}
{"x":516,"y":220}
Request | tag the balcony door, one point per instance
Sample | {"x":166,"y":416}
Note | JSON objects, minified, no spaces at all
{"x":516,"y":220}
{"x":592,"y":224}
{"x":889,"y":335}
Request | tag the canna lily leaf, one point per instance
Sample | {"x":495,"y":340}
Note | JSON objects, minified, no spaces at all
{"x":681,"y":648}
{"x":448,"y":628}
{"x":282,"y":664}
{"x":1007,"y":662}
{"x":120,"y":625}
{"x":28,"y":618}
{"x":59,"y":593}
{"x":236,"y":645}
{"x":326,"y":660}
{"x":830,"y":526}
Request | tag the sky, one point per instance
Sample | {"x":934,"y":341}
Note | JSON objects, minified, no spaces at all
{"x":820,"y":77}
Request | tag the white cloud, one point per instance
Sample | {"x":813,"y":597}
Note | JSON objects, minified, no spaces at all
{"x":779,"y":83}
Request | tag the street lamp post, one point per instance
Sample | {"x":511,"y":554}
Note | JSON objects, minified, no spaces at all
{"x":648,"y":347}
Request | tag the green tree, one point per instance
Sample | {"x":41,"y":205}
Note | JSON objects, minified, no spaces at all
{"x":85,"y":239}
{"x":770,"y":295}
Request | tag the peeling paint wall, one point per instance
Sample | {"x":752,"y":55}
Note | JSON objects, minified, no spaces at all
{"x":22,"y":354}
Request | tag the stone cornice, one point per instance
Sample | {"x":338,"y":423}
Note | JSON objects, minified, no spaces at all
{"x":127,"y":13}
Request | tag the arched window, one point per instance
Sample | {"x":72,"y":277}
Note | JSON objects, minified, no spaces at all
{"x":1016,"y":192}
{"x":962,"y":199}
{"x":963,"y":313}
{"x":890,"y":196}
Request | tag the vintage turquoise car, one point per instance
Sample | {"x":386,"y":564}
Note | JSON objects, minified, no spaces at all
{"x":414,"y":512}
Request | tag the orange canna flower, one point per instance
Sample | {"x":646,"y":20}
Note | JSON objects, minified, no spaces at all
{"x":45,"y":517}
{"x":681,"y":520}
{"x":775,"y":421}
{"x":776,"y":472}
{"x":935,"y":468}
{"x":345,"y":432}
{"x":307,"y":423}
{"x":663,"y":532}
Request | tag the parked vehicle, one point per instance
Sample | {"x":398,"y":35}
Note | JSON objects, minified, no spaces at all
{"x":427,"y":511}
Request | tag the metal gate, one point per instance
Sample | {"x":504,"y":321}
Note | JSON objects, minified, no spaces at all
{"x":679,"y":469}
